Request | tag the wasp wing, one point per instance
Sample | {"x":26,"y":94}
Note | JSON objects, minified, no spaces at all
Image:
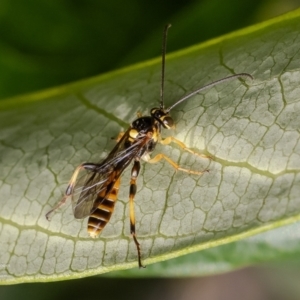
{"x":97,"y":184}
{"x":85,"y":192}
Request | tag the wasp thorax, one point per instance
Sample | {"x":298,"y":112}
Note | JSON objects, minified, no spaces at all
{"x":142,"y":125}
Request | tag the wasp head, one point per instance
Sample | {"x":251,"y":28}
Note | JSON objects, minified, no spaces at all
{"x":163,"y":118}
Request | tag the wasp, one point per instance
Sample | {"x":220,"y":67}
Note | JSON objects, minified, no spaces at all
{"x":95,"y":194}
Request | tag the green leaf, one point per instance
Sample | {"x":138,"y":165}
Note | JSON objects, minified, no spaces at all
{"x":251,"y":129}
{"x":277,"y":245}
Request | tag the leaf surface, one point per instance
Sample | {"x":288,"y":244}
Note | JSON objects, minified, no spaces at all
{"x":250,"y":128}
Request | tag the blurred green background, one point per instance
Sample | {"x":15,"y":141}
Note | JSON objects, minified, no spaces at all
{"x":49,"y":43}
{"x":44,"y":44}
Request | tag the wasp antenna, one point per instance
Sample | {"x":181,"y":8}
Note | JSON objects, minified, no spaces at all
{"x":228,"y":78}
{"x":163,"y":59}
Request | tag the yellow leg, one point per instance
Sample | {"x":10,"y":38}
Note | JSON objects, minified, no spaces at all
{"x":170,"y":139}
{"x":70,"y":188}
{"x":132,"y":192}
{"x":118,"y":138}
{"x":160,"y":156}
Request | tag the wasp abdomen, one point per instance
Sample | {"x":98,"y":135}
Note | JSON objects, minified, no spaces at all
{"x":101,"y":215}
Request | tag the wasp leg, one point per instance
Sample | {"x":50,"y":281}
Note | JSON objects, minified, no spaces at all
{"x":70,"y":188}
{"x":160,"y":156}
{"x":117,"y":139}
{"x":171,"y":139}
{"x":132,"y":191}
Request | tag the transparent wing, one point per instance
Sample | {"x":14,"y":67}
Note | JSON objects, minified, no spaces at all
{"x":100,"y":181}
{"x":85,"y":192}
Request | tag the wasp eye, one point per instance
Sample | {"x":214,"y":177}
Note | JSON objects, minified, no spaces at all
{"x":168,"y":122}
{"x":154,"y":111}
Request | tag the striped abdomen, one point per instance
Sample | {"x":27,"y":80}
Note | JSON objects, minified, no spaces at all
{"x":101,"y":216}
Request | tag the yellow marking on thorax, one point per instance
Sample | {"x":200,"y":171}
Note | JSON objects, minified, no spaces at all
{"x":133,"y":133}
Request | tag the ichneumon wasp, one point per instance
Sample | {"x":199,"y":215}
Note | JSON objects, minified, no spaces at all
{"x":95,"y":195}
